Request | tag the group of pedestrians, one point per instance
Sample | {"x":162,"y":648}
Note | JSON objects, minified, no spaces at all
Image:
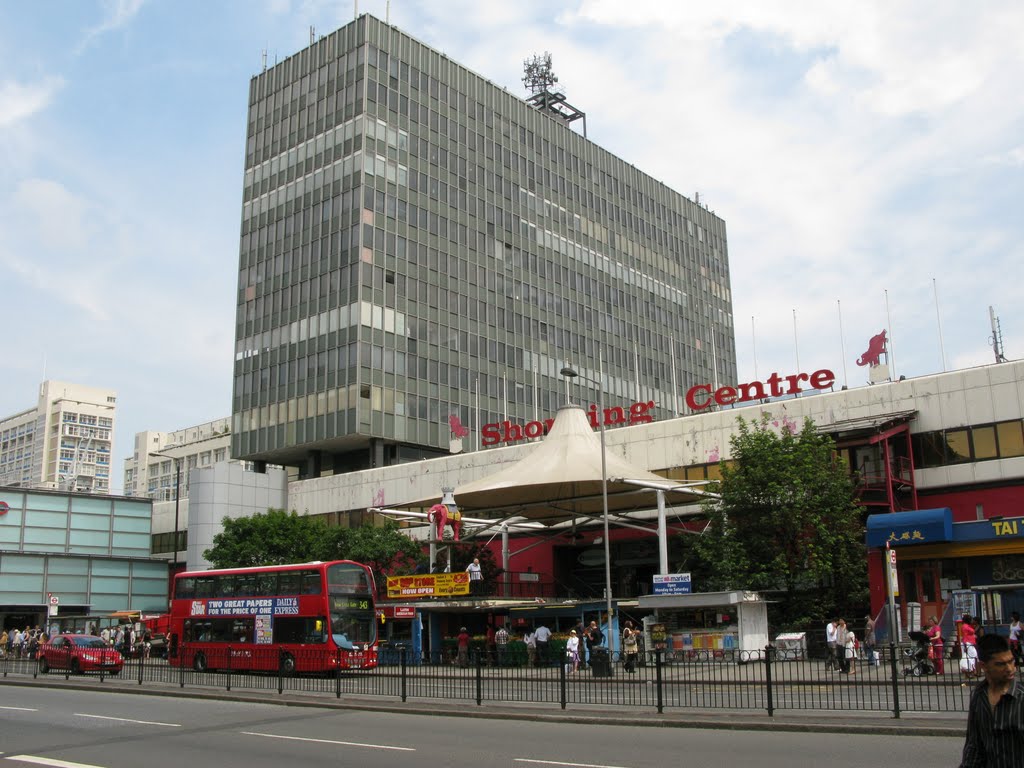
{"x":579,"y":648}
{"x":21,"y":643}
{"x":842,"y":647}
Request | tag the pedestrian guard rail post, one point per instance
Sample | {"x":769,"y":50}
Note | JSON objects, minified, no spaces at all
{"x":770,"y":679}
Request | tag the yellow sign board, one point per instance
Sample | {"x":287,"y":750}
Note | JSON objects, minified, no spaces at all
{"x":429,"y":585}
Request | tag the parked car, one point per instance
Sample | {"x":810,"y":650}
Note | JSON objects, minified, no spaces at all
{"x":79,"y":653}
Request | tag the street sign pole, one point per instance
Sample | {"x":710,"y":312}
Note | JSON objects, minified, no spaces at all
{"x":894,"y":590}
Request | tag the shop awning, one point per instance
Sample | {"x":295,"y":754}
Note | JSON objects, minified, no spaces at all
{"x":920,"y":526}
{"x":867,"y":429}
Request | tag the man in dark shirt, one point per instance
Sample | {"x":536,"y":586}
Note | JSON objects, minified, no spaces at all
{"x":595,"y":637}
{"x":995,"y":721}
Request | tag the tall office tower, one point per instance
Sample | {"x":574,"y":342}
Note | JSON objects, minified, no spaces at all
{"x":65,"y":442}
{"x":422,"y":252}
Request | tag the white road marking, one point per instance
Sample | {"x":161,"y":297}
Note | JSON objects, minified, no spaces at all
{"x":50,"y":762}
{"x":20,"y":709}
{"x":559,"y":762}
{"x":126,"y":720}
{"x":330,"y":741}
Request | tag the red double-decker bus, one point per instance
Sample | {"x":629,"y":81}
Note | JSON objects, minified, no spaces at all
{"x":309,"y":617}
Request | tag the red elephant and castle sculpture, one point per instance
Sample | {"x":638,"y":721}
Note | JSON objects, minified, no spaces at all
{"x":444,"y":514}
{"x":876,"y":348}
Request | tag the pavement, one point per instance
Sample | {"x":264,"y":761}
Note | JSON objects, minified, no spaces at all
{"x":949,"y":724}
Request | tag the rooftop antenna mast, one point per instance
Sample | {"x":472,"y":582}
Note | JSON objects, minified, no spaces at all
{"x":996,"y":339}
{"x":545,"y":96}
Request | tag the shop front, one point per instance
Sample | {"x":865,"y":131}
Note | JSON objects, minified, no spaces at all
{"x":945,"y":566}
{"x":400,"y":627}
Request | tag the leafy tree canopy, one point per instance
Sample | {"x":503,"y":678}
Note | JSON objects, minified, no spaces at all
{"x":279,"y":537}
{"x":274,"y":538}
{"x":787,"y":525}
{"x":384,"y":548}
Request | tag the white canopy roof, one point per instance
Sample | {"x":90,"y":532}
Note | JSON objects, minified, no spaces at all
{"x":561,"y":478}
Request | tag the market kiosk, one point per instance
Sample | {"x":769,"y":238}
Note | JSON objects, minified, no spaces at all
{"x":708,"y":624}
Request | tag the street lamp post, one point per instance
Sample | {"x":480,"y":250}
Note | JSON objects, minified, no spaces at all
{"x":177,"y":498}
{"x":569,"y":373}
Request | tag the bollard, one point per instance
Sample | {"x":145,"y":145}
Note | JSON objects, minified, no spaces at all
{"x":404,"y":672}
{"x":142,"y":663}
{"x":895,"y":681}
{"x":479,"y":679}
{"x":561,"y":679}
{"x":337,"y":676}
{"x":657,"y":678}
{"x":280,"y":672}
{"x":769,"y":651}
{"x":229,"y":669}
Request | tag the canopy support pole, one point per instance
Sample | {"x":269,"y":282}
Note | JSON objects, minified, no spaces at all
{"x":662,"y":535}
{"x":504,"y":560}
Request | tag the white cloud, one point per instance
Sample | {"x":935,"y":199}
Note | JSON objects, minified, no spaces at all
{"x":852,"y":148}
{"x":1013,"y":158}
{"x":119,"y":13}
{"x":56,"y":217}
{"x":19,"y":101}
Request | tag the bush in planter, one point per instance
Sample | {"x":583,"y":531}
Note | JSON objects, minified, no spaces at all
{"x":516,"y":653}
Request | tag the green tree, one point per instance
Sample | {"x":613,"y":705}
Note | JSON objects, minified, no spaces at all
{"x":280,"y":537}
{"x":274,"y":538}
{"x":787,"y":525}
{"x":384,"y":548}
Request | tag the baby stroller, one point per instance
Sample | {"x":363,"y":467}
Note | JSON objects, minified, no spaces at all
{"x":917,"y":657}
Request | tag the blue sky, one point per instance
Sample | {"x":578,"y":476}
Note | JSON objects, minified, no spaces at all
{"x":853,"y":149}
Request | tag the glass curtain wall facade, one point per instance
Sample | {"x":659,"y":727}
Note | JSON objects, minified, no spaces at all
{"x":419,"y":244}
{"x":90,"y":551}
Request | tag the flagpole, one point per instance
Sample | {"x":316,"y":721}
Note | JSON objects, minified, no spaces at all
{"x":476,"y":388}
{"x":796,"y":343}
{"x":891,"y":353}
{"x":938,"y":320}
{"x":842,"y":343}
{"x":714,"y":359}
{"x":675,"y":385}
{"x":753,"y":338}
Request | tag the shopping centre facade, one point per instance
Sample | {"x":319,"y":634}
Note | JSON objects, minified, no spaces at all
{"x":949,"y":443}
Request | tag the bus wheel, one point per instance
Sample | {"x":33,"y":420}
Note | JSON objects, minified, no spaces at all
{"x":287,"y":664}
{"x":199,"y":663}
{"x":76,"y":668}
{"x":44,"y":665}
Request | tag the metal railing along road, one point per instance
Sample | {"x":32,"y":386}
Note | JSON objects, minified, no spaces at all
{"x":767,"y":680}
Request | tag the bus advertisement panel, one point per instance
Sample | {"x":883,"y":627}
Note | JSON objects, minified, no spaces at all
{"x":308,"y":617}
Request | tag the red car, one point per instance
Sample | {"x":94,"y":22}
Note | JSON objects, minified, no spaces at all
{"x":79,"y":653}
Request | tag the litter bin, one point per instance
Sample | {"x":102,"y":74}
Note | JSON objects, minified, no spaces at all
{"x":600,"y":661}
